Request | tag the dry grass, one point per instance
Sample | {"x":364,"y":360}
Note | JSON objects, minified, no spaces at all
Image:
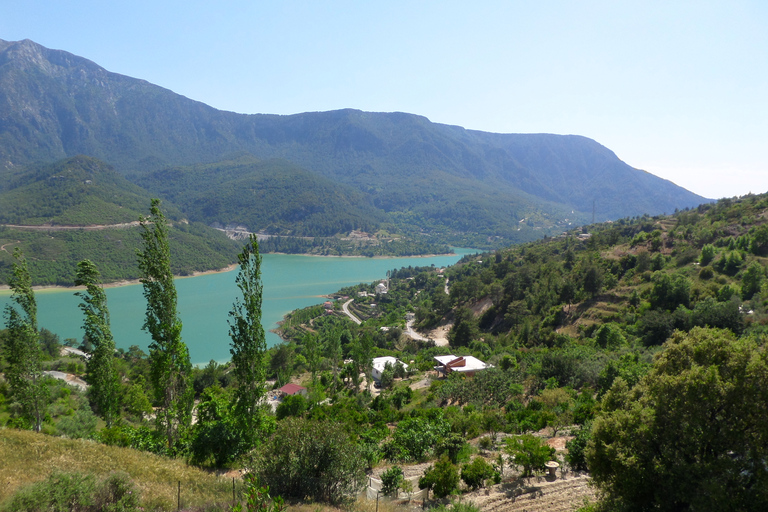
{"x":27,"y":457}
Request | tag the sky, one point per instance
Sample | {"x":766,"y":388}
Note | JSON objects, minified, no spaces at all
{"x":677,"y":88}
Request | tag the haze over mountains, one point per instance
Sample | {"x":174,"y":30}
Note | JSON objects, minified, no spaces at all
{"x":368,"y":169}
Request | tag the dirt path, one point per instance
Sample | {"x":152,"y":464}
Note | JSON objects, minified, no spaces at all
{"x":94,"y":227}
{"x":3,"y":247}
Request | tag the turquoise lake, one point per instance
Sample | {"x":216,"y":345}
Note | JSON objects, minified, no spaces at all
{"x":290,"y":282}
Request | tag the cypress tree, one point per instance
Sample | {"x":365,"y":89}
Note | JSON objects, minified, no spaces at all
{"x":248,"y":342}
{"x":22,"y":350}
{"x":101,"y":373}
{"x":169,"y":356}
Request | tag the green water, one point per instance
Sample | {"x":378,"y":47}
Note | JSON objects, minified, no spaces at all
{"x":290,"y":282}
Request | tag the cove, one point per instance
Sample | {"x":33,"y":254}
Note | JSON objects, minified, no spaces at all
{"x":290,"y":282}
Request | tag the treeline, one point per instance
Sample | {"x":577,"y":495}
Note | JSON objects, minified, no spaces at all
{"x":53,"y":255}
{"x":337,"y":247}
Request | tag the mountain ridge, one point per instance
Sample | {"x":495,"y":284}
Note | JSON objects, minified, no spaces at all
{"x":54,"y":104}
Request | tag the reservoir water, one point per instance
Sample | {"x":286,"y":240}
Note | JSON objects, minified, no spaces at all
{"x":290,"y":282}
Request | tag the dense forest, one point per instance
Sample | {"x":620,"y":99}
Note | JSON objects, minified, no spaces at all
{"x":638,"y":344}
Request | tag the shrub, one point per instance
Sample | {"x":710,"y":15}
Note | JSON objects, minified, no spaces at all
{"x":315,"y":459}
{"x":76,"y":492}
{"x":476,"y":473}
{"x":391,"y":479}
{"x":442,"y":478}
{"x":530,"y":452}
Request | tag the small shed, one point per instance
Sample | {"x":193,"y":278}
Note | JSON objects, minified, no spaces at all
{"x":293,"y":389}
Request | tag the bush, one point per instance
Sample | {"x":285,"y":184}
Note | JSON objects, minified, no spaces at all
{"x":390,"y":480}
{"x":76,"y":492}
{"x":315,"y":459}
{"x":530,"y":452}
{"x":476,"y":473}
{"x":442,"y":478}
{"x":577,"y":446}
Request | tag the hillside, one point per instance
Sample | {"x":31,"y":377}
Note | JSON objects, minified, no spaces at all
{"x":273,"y":196}
{"x":77,"y":191}
{"x":429,"y":178}
{"x":80,"y":208}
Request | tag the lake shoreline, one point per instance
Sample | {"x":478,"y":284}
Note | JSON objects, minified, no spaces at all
{"x":127,"y":282}
{"x":230,"y":268}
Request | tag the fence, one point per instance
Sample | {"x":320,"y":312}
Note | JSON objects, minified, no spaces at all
{"x":373,"y":491}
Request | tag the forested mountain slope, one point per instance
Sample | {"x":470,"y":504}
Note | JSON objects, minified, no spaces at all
{"x":80,"y":208}
{"x":434,"y":177}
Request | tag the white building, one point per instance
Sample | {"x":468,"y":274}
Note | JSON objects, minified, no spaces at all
{"x":467,"y":365}
{"x":379,"y":363}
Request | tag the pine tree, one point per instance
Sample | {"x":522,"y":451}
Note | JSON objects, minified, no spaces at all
{"x":169,"y":357}
{"x":248,"y":342}
{"x":101,"y":373}
{"x":22,"y":351}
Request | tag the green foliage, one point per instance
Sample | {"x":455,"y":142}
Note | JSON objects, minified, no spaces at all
{"x":292,"y":405}
{"x":692,"y":434}
{"x":23,"y":353}
{"x":577,"y":448}
{"x":414,"y":438}
{"x":257,"y":498}
{"x":305,"y":458}
{"x":169,"y":356}
{"x":82,"y":424}
{"x":391,"y":480}
{"x":442,"y":478}
{"x":529,"y":452}
{"x":76,"y":492}
{"x":102,"y":375}
{"x":476,"y":473}
{"x":248,"y":343}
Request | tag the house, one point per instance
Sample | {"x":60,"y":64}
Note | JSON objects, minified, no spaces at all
{"x":379,"y":363}
{"x":293,"y":389}
{"x":467,"y":365}
{"x":381,"y":288}
{"x":328,"y":305}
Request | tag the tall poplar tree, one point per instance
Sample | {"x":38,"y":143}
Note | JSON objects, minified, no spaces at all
{"x":169,"y":356}
{"x":248,"y":342}
{"x":101,"y":372}
{"x":22,"y":350}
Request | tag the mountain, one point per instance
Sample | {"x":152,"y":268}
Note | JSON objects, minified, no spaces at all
{"x":426,"y":177}
{"x":272,"y":196}
{"x":81,"y":208}
{"x":77,"y":191}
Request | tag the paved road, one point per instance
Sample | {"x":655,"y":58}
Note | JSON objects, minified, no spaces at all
{"x":345,"y":308}
{"x":413,"y":334}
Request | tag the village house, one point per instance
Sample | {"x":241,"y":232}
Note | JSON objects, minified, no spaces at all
{"x":379,"y":363}
{"x":468,"y":365}
{"x":292,"y":389}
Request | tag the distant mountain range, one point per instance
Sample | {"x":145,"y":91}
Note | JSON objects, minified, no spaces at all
{"x":314,"y":173}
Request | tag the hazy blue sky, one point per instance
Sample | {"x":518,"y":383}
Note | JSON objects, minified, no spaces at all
{"x":678,"y":88}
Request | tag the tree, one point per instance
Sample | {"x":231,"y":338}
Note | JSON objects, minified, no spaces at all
{"x":100,"y":369}
{"x":530,"y":452}
{"x":169,"y":356}
{"x":752,"y":280}
{"x":442,"y":478}
{"x":305,"y":458}
{"x":22,"y":348}
{"x":476,"y":473}
{"x":391,"y":480}
{"x":248,"y":342}
{"x":692,"y":434}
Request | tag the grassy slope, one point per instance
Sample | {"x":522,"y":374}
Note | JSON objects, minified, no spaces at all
{"x":157,"y":477}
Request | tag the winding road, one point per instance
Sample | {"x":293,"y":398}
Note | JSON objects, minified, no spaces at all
{"x":345,"y":308}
